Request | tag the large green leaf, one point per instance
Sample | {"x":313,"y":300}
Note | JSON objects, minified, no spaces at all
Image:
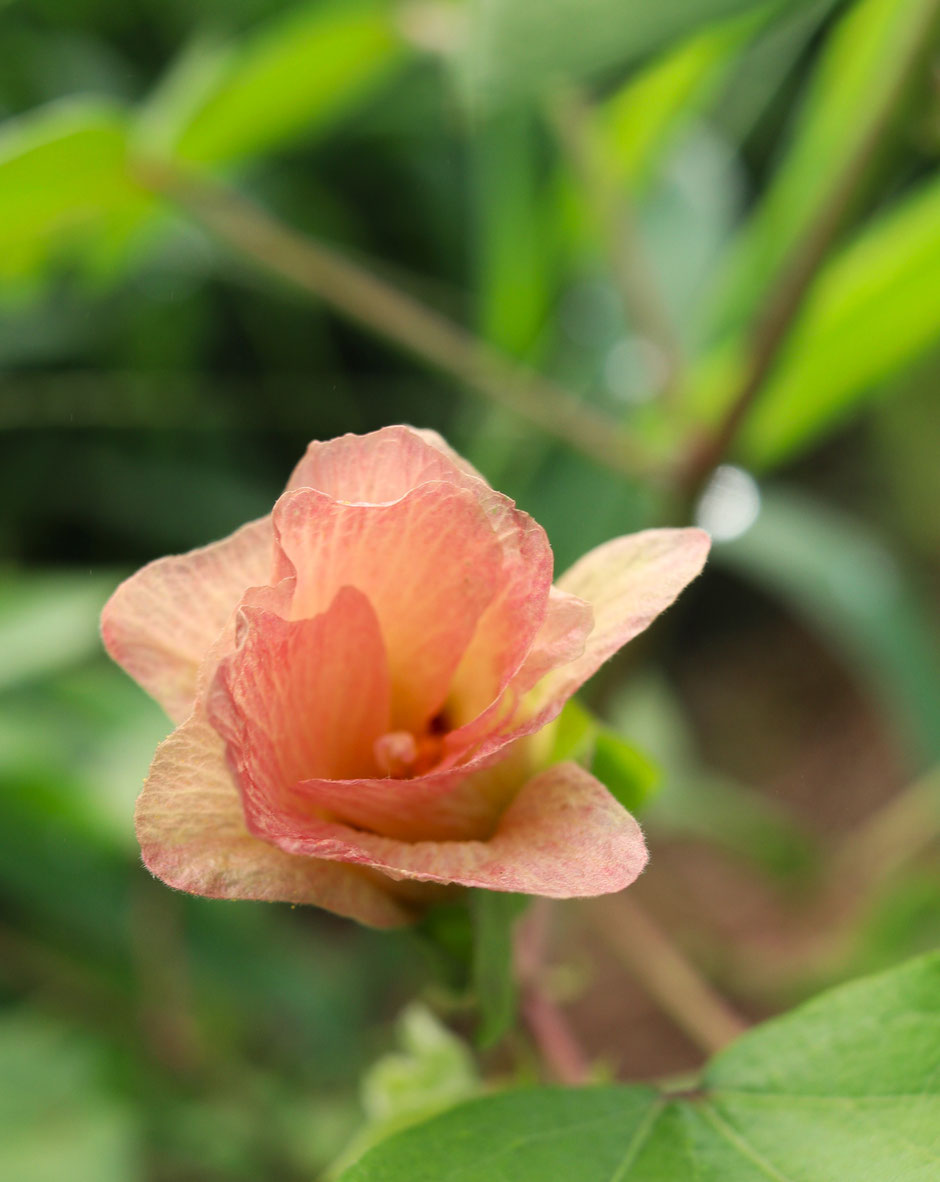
{"x":845,"y":1087}
{"x":856,"y":72}
{"x":294,"y":77}
{"x":63,"y":176}
{"x":840,"y":577}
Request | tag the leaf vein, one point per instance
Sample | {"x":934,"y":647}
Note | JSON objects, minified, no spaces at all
{"x":636,"y":1141}
{"x":736,"y":1141}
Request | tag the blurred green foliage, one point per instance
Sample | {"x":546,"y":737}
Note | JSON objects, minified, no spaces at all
{"x":612,"y":195}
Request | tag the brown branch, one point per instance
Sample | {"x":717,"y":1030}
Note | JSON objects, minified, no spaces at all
{"x":360,"y":296}
{"x":664,"y":972}
{"x":775,"y":317}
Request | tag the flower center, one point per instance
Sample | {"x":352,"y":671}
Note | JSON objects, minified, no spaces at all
{"x":402,"y":755}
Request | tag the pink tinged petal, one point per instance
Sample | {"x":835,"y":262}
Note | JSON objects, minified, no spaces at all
{"x":623,"y":586}
{"x":559,"y":640}
{"x":161,"y":622}
{"x":381,"y":467}
{"x":429,"y":564}
{"x":302,"y":698}
{"x":445,"y":806}
{"x":563,"y":836}
{"x":511,"y":622}
{"x":193,"y":836}
{"x":627,"y":582}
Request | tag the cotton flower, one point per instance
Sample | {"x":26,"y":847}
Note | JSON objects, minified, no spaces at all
{"x":361,"y":683}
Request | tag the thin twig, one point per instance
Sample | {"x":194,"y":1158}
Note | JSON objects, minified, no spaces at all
{"x":776,"y":315}
{"x":362,"y":297}
{"x":560,"y":1051}
{"x":664,"y":972}
{"x":817,"y":944}
{"x":890,"y":838}
{"x":633,"y":273}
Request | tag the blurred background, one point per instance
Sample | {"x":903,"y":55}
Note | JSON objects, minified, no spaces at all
{"x":642,"y":264}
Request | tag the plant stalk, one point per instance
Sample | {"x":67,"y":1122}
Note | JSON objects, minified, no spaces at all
{"x":665,"y":974}
{"x":375,"y":304}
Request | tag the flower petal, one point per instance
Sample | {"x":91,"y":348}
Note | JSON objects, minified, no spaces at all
{"x":160,"y":623}
{"x":559,"y":640}
{"x":193,"y":836}
{"x":440,"y":806}
{"x":429,"y":563}
{"x":303,"y":698}
{"x":627,"y":582}
{"x":509,"y":625}
{"x":603,"y":601}
{"x":563,"y":836}
{"x":381,"y":467}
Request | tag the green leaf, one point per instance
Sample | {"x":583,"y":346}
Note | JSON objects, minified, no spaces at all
{"x":763,"y":68}
{"x":844,"y":582}
{"x":294,"y":77}
{"x":63,"y":177}
{"x":517,"y":48}
{"x":574,"y":733}
{"x":629,"y":775}
{"x":514,"y":239}
{"x":638,"y":122}
{"x":871,"y":313}
{"x":855,"y":74}
{"x":494,"y":915}
{"x":48,"y":622}
{"x":845,"y":1087}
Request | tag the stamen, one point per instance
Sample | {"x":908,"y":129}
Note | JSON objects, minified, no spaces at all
{"x":395,"y":754}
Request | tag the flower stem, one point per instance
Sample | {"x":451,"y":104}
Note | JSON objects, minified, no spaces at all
{"x":561,"y":1053}
{"x":664,"y":972}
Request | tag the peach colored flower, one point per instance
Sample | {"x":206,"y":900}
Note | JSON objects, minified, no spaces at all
{"x":359,"y":682}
